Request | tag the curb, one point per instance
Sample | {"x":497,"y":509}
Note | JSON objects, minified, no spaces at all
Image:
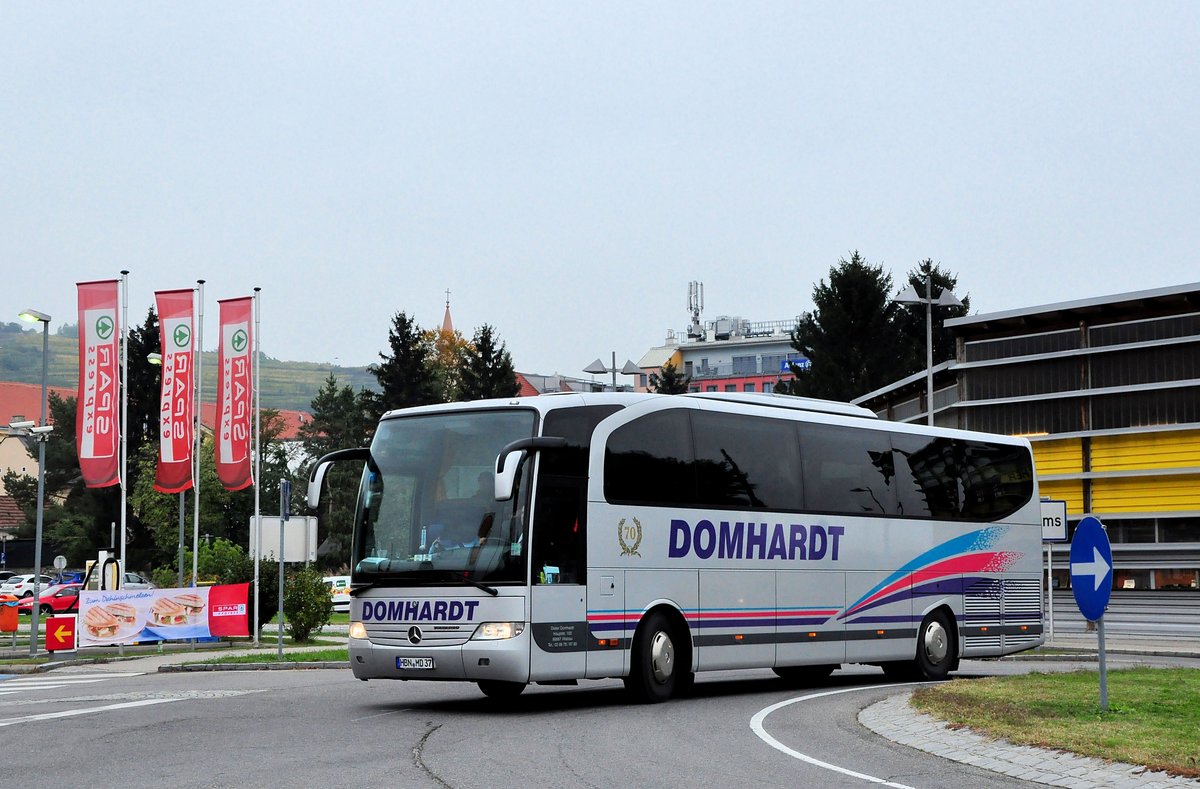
{"x":285,"y":666}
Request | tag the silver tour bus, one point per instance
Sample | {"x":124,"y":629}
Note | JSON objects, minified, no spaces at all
{"x":570,"y":536}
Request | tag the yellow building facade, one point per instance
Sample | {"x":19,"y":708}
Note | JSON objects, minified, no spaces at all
{"x":1108,"y":392}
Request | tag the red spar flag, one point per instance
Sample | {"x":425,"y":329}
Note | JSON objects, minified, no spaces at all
{"x":97,"y":428}
{"x":175,"y":424}
{"x":234,"y":385}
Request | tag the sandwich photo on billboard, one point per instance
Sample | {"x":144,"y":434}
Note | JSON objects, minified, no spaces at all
{"x":166,"y":611}
{"x":192,"y":604}
{"x":100,"y":624}
{"x":122,"y":612}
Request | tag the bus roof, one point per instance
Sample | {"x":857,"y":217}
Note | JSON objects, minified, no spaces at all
{"x":552,"y":400}
{"x":787,"y":401}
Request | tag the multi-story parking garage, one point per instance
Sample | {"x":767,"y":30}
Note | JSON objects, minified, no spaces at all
{"x":1108,"y":392}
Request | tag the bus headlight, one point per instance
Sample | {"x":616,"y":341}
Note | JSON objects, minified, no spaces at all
{"x":358,"y":630}
{"x":495,"y":631}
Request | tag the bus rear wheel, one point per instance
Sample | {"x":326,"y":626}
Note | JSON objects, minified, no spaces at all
{"x":501,"y":690}
{"x":936,"y":654}
{"x":654,"y":672}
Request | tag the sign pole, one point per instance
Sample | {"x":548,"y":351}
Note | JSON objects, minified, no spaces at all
{"x":1091,"y":583}
{"x":1050,"y":586}
{"x":285,"y":495}
{"x":1103,"y":666}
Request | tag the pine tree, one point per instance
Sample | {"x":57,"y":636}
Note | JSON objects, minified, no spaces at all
{"x":668,"y":380}
{"x":850,"y":337}
{"x":405,"y":377}
{"x":486,"y":370}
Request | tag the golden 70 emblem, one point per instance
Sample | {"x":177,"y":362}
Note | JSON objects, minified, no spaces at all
{"x":630,"y":537}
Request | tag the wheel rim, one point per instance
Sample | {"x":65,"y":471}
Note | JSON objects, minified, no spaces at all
{"x":936,"y":642}
{"x":662,"y":657}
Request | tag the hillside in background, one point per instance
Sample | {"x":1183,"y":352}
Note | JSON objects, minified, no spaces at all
{"x":286,"y":385}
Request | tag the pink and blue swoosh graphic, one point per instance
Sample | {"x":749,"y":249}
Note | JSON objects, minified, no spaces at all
{"x":955,"y":560}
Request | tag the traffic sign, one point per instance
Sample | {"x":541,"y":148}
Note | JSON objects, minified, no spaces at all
{"x":60,"y":634}
{"x":1054,"y":520}
{"x":1091,"y":568}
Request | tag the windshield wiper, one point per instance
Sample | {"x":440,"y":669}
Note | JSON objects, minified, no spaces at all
{"x":493,"y":591}
{"x":361,"y":587}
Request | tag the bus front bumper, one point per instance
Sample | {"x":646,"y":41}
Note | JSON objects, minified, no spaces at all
{"x":505,"y":660}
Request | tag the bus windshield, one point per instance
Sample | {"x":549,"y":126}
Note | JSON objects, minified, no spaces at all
{"x":427,"y":511}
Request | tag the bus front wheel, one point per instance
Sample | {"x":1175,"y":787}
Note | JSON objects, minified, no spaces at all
{"x":654,"y":671}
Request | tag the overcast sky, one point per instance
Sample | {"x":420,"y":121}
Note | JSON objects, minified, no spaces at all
{"x":565,"y":169}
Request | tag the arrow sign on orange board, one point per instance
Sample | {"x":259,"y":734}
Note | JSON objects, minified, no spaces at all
{"x":60,"y":634}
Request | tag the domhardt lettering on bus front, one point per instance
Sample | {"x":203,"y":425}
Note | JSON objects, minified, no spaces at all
{"x":747,"y":540}
{"x":419,"y":610}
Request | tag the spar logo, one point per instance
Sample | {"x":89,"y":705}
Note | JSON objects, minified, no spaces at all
{"x":228,"y":609}
{"x":181,"y":336}
{"x":239,"y":340}
{"x":104,"y":327}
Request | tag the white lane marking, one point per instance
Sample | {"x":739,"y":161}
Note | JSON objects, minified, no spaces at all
{"x":756,"y":725}
{"x":377,"y":715}
{"x":87,"y":711}
{"x":44,"y":682}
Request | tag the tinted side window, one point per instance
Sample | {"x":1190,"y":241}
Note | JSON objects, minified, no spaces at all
{"x":997,"y":479}
{"x":747,"y":462}
{"x":926,"y":476}
{"x":649,"y":461}
{"x":575,"y":425}
{"x":848,"y":470}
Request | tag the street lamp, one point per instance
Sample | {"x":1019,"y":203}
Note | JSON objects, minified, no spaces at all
{"x":597,"y":368}
{"x":41,"y":435}
{"x":945,"y":299}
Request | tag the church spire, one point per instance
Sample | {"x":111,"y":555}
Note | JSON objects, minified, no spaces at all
{"x":447,"y":324}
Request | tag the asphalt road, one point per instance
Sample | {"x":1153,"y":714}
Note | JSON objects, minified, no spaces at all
{"x":104,"y":727}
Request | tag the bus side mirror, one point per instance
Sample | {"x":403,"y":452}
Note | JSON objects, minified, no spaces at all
{"x":314,"y":484}
{"x":508,"y":462}
{"x":317,"y":475}
{"x":506,"y":475}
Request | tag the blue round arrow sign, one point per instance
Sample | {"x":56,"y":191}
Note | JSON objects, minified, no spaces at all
{"x":1091,"y":568}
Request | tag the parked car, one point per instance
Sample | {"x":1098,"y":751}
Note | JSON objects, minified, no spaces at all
{"x":22,"y":585}
{"x":5,"y":575}
{"x":339,"y":591}
{"x":135,"y":581}
{"x":54,"y":600}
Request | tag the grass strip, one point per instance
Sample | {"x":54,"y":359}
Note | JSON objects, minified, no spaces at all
{"x":1153,"y":715}
{"x":272,"y":656}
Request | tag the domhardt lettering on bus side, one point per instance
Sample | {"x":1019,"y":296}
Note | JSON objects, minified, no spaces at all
{"x":418,"y":610}
{"x":745,"y":540}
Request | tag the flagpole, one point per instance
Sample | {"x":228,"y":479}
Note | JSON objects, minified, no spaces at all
{"x":257,"y":456}
{"x":122,"y":565}
{"x":198,"y":351}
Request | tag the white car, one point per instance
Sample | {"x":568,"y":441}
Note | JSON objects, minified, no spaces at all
{"x":22,"y":585}
{"x":135,"y":581}
{"x":339,"y":591}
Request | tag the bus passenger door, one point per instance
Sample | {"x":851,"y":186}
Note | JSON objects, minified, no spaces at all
{"x":558,"y":607}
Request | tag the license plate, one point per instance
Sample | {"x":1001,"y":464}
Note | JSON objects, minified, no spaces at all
{"x":414,"y":663}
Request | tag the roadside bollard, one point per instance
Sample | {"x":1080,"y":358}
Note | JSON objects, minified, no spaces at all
{"x":8,"y":615}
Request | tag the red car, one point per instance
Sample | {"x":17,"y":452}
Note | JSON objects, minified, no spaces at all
{"x":54,"y":600}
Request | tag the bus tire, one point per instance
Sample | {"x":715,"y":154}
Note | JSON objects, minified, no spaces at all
{"x":653,"y":670}
{"x":500,"y":690}
{"x":800,"y":676}
{"x":936,"y":653}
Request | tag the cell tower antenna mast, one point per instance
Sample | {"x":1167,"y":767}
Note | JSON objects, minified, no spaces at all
{"x":695,"y":307}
